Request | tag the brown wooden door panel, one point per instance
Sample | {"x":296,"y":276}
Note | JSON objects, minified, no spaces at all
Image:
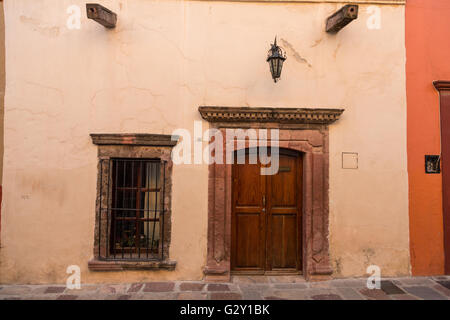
{"x":248,"y":241}
{"x":248,"y":185}
{"x":283,"y":185}
{"x":284,"y":199}
{"x":266,"y":218}
{"x":283,"y":243}
{"x":248,"y":218}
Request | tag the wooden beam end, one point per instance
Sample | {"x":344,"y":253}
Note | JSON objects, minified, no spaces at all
{"x":102,"y":15}
{"x":341,"y":18}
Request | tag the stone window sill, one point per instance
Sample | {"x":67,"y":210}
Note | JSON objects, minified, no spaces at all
{"x":102,"y":265}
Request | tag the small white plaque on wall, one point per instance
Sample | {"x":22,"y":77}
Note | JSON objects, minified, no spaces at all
{"x":349,"y":160}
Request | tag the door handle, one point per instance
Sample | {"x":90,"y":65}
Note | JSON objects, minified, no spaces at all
{"x":264,"y":204}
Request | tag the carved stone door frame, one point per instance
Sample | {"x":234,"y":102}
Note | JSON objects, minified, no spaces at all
{"x":304,"y":130}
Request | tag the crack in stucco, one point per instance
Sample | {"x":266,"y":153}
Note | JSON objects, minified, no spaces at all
{"x":294,"y":53}
{"x":160,"y":119}
{"x":336,"y":50}
{"x":176,"y":46}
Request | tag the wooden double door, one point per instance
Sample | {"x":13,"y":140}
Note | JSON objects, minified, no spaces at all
{"x":266,"y":235}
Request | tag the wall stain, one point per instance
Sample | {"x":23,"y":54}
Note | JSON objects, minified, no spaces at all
{"x":338,"y":264}
{"x":51,"y":32}
{"x":368,"y":253}
{"x":294,"y":53}
{"x":336,"y":50}
{"x":317,"y":42}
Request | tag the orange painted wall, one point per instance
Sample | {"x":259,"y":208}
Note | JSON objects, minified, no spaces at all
{"x":428,"y":59}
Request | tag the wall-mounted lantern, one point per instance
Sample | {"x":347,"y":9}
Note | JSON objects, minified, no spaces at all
{"x":276,"y":57}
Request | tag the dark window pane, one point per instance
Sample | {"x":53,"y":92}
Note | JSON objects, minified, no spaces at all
{"x":136,"y":201}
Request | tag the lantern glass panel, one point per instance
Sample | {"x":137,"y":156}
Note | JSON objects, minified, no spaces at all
{"x":275,"y":67}
{"x":280,"y":65}
{"x":271,"y":66}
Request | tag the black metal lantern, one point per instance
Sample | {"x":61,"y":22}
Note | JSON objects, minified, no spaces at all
{"x":276,"y":57}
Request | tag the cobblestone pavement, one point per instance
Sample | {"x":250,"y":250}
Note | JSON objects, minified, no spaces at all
{"x":246,"y":288}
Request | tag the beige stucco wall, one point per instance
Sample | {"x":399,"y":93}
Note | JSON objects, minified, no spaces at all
{"x":2,"y":85}
{"x":149,"y":75}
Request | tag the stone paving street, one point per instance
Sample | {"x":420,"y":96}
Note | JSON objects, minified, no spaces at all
{"x":247,"y":288}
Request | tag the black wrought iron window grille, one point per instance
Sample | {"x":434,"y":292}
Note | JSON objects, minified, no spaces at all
{"x":130,"y":212}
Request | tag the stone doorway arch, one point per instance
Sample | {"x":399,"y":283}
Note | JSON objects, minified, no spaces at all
{"x":303,"y":130}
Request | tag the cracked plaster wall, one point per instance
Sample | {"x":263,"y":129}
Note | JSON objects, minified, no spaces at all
{"x":149,"y":75}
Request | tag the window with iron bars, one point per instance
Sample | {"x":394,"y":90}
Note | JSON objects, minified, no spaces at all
{"x":131,"y":210}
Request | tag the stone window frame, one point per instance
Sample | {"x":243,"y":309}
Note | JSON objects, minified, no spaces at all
{"x":133,"y":146}
{"x":301,"y":129}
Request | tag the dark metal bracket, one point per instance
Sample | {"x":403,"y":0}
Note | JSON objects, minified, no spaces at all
{"x":341,"y":18}
{"x":102,"y":15}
